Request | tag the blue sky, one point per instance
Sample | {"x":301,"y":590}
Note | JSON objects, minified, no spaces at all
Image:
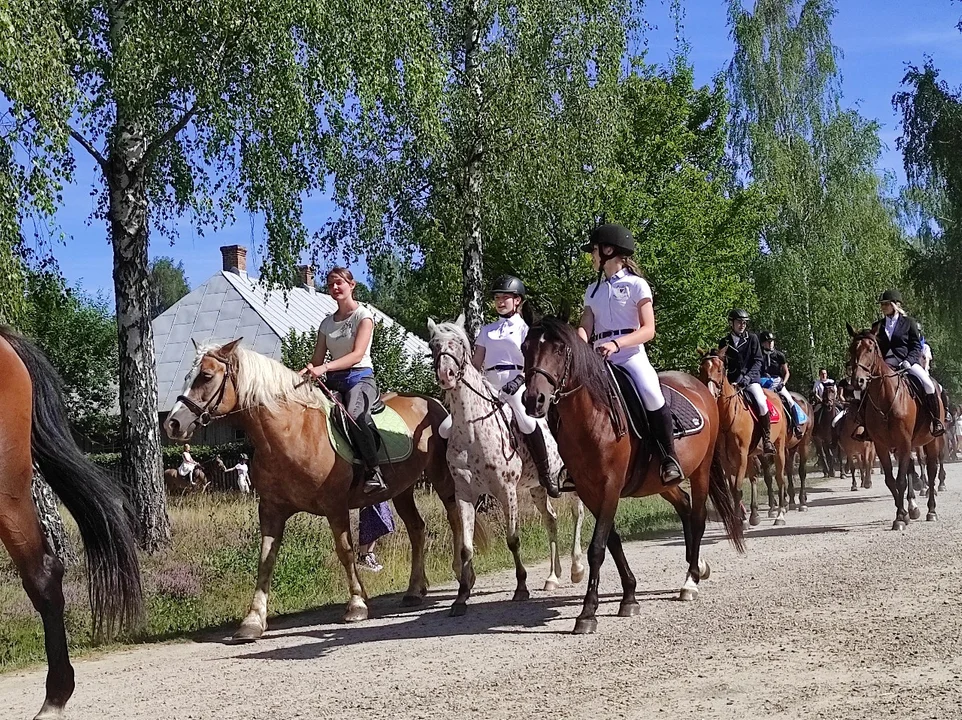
{"x":877,"y":38}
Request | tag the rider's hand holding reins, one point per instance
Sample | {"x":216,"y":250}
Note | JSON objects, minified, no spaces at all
{"x":315,"y":370}
{"x":608,"y":348}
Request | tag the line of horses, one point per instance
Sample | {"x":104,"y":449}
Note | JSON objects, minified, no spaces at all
{"x":295,"y":468}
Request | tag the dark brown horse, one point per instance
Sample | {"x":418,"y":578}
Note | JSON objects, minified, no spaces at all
{"x":797,"y":449}
{"x":607,"y":463}
{"x":824,"y":434}
{"x":295,"y":469}
{"x":894,"y":421}
{"x":34,"y":429}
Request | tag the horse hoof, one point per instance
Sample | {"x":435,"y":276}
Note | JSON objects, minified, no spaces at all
{"x":248,"y":633}
{"x":631,"y":609}
{"x":803,"y":508}
{"x":577,"y":573}
{"x":941,"y":487}
{"x":854,"y":487}
{"x":521,"y":595}
{"x":355,"y":614}
{"x":550,"y":585}
{"x":915,"y":513}
{"x":753,"y":520}
{"x":585,"y":626}
{"x":779,"y":522}
{"x":458,"y":610}
{"x":706,"y":572}
{"x":772,"y":514}
{"x":688,"y":595}
{"x":931,"y":517}
{"x":49,"y":711}
{"x":898,"y":525}
{"x":411,"y":600}
{"x":791,"y":506}
{"x":867,"y":484}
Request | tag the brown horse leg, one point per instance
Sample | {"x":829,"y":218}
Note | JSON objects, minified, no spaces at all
{"x":790,"y":473}
{"x":466,"y":575}
{"x":753,"y":518}
{"x":779,"y":463}
{"x":767,"y":475}
{"x":629,"y":604}
{"x":604,"y":523}
{"x":407,"y":510}
{"x":802,"y":476}
{"x":912,"y":478}
{"x":42,"y":575}
{"x":932,"y":467}
{"x":272,"y":522}
{"x":693,"y":514}
{"x":897,"y":486}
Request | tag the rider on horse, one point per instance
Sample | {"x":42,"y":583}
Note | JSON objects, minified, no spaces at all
{"x":774,"y":376}
{"x":497,"y":353}
{"x":618,"y":320}
{"x":900,"y":342}
{"x":744,"y":359}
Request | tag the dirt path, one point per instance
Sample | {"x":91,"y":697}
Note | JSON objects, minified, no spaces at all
{"x":833,"y":616}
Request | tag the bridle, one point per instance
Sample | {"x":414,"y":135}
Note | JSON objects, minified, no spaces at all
{"x":204,"y":415}
{"x":558,"y":393}
{"x":872,"y":375}
{"x":461,"y":364}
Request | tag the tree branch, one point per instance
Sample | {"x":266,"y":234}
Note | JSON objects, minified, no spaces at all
{"x":171,"y":132}
{"x":88,"y":146}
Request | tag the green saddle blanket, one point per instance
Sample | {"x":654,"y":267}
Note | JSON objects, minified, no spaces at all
{"x":396,"y":441}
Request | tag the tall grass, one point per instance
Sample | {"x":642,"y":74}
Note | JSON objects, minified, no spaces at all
{"x":205,"y":580}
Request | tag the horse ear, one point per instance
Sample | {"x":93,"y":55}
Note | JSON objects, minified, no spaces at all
{"x":700,"y":352}
{"x":432,"y":326}
{"x":851,"y":330}
{"x":196,"y":346}
{"x":225,"y":351}
{"x":460,"y":321}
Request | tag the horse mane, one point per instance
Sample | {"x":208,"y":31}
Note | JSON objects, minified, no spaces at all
{"x":264,"y":382}
{"x":443,"y":331}
{"x":586,"y":364}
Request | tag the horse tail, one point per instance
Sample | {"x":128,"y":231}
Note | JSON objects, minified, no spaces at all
{"x":722,"y":497}
{"x":98,"y":506}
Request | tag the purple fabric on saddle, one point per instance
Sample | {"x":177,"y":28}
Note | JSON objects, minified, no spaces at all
{"x":375,"y":521}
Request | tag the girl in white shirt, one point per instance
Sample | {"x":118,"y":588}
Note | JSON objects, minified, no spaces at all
{"x":497,"y":353}
{"x":618,"y":320}
{"x":243,"y":474}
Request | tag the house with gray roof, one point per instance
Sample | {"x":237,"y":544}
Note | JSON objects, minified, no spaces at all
{"x":229,"y":305}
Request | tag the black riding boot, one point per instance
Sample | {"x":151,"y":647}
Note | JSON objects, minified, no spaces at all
{"x":661,"y":426}
{"x":932,"y":403}
{"x":539,"y":453}
{"x":366,"y":445}
{"x":765,"y":425}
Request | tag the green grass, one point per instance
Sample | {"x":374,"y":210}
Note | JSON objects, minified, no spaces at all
{"x":205,"y":580}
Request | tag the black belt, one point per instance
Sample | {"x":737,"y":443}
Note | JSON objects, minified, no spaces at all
{"x":609,"y":333}
{"x":505,"y":367}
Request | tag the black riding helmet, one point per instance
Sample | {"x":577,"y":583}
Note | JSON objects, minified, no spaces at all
{"x":738,"y":314}
{"x":508,"y":284}
{"x":766,"y":336}
{"x":617,"y":236}
{"x":891,"y":295}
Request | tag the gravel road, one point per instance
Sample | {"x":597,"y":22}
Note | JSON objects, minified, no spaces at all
{"x":833,"y":616}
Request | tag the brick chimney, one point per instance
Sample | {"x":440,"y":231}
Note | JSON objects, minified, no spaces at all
{"x":306,"y":275}
{"x":235,"y":258}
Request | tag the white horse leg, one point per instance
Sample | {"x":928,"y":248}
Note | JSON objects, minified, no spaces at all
{"x":577,"y":566}
{"x":466,"y":575}
{"x":550,"y":518}
{"x":509,"y":503}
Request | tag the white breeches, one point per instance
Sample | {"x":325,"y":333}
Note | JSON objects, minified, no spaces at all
{"x":787,"y":396}
{"x":758,"y":397}
{"x":923,"y":376}
{"x":525,"y":422}
{"x":642,"y":374}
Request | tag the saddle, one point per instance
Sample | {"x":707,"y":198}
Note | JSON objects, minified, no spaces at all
{"x":773,"y":413}
{"x":686,"y":419}
{"x":391,"y":433}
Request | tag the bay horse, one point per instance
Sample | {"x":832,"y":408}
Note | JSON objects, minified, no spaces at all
{"x":606,"y":462}
{"x":177,"y":483}
{"x":860,"y":454}
{"x":739,"y":438}
{"x":486,"y":455}
{"x":894,"y":421}
{"x":825,"y":435}
{"x":295,"y":469}
{"x":34,"y":430}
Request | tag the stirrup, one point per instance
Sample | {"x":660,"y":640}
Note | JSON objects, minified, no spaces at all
{"x":937,"y":428}
{"x":568,"y":484}
{"x":374,"y":483}
{"x":768,"y":447}
{"x":671,"y":471}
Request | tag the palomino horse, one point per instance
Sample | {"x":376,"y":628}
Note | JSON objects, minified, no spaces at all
{"x":825,"y":437}
{"x":295,"y":469}
{"x":859,"y":454}
{"x":607,"y":462}
{"x":894,"y":421}
{"x":487,"y":456}
{"x":34,"y":429}
{"x":739,"y":437}
{"x":179,"y":484}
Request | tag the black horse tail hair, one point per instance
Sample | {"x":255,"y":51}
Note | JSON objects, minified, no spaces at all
{"x":720,"y":492}
{"x":98,"y":505}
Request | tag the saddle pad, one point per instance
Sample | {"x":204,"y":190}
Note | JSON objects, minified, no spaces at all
{"x":396,"y":442}
{"x":773,"y":413}
{"x":686,"y":420}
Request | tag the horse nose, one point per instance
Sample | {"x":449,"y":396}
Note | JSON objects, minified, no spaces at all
{"x":173,"y":426}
